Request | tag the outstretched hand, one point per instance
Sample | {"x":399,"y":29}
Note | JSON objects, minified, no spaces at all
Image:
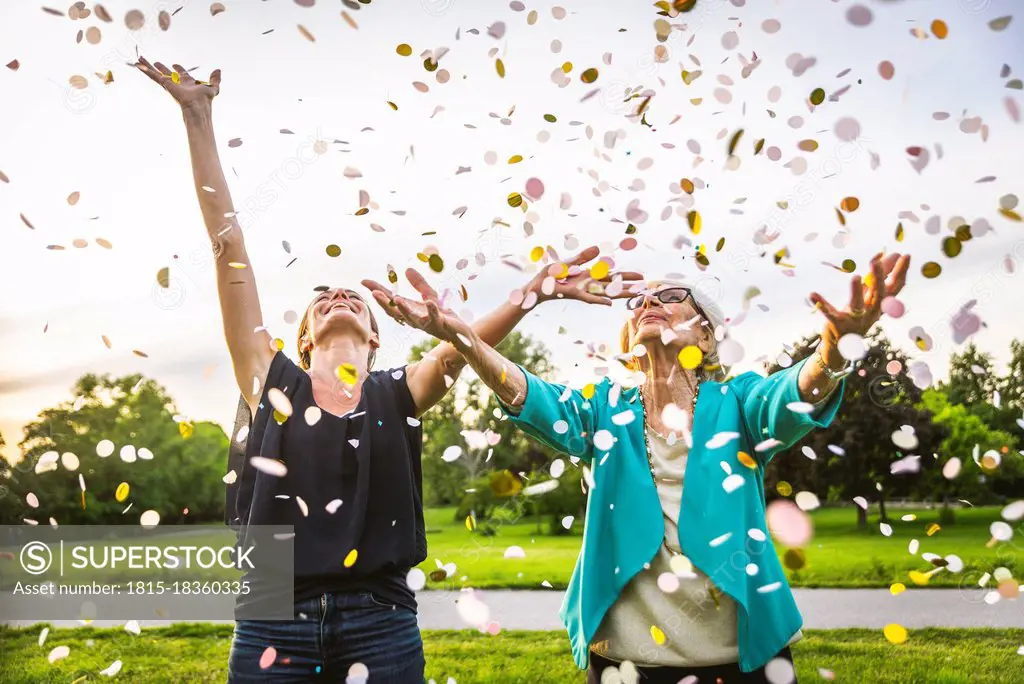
{"x":186,"y":91}
{"x":571,"y":280}
{"x":427,"y":315}
{"x":887,"y":278}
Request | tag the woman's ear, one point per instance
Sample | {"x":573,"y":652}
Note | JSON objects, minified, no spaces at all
{"x":306,"y":345}
{"x":375,"y":341}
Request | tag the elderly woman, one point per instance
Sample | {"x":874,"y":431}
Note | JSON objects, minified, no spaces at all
{"x":672,"y":580}
{"x":329,"y":446}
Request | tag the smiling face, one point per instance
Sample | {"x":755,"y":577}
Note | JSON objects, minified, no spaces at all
{"x":337,"y":312}
{"x":651,"y":317}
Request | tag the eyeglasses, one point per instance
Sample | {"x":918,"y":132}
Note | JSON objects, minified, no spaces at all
{"x":670,"y":295}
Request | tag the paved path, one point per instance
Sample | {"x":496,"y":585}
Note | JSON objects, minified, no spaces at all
{"x":821,"y":608}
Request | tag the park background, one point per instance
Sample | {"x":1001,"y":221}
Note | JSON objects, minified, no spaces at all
{"x":124,"y":344}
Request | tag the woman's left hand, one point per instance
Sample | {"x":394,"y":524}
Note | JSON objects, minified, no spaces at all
{"x":578,"y":283}
{"x":427,"y":315}
{"x":887,"y":278}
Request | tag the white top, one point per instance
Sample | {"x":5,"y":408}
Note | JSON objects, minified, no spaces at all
{"x":696,"y":623}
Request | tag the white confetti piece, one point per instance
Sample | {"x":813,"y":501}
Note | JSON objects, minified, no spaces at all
{"x":270,"y":466}
{"x":732,"y":483}
{"x":603,"y":440}
{"x":718,"y":541}
{"x":58,"y":653}
{"x":111,"y":669}
{"x":861,"y":501}
{"x":416,"y":579}
{"x":721,"y":439}
{"x":885,"y":528}
{"x":412,"y":421}
{"x":807,"y":501}
{"x":104,"y":448}
{"x":332,"y":506}
{"x":515,"y":552}
{"x":230,"y":478}
{"x":567,"y":521}
{"x":451,"y":454}
{"x":768,"y":588}
{"x":149,"y":518}
{"x":302,"y":506}
{"x":42,"y":636}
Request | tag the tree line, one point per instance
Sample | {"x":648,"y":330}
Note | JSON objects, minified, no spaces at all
{"x":959,"y":443}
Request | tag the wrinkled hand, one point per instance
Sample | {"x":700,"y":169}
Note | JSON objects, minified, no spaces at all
{"x":887,"y":278}
{"x":571,"y":280}
{"x":427,"y":315}
{"x":186,"y":91}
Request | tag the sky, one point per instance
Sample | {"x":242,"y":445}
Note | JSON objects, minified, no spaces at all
{"x":122,"y":147}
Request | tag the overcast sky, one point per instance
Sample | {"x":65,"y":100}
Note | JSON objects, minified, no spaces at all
{"x":122,"y":147}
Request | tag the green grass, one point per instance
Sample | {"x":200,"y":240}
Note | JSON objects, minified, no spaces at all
{"x":198,"y":653}
{"x":839,"y":555}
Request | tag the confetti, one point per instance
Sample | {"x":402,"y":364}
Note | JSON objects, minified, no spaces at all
{"x":351,"y":558}
{"x":894,"y":633}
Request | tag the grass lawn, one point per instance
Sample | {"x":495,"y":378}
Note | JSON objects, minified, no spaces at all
{"x":198,"y":653}
{"x":839,"y":555}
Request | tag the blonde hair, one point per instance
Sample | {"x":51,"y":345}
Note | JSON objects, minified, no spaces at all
{"x":304,"y":356}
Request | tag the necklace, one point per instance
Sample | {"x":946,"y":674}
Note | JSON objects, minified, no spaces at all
{"x":647,"y":439}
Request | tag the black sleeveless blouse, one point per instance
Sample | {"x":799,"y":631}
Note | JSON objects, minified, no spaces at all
{"x":369,"y":460}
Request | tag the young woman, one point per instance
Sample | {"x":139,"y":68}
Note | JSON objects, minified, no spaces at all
{"x":339,"y":445}
{"x":677,"y":574}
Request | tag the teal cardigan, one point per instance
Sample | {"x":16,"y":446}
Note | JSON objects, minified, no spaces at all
{"x":625,"y":524}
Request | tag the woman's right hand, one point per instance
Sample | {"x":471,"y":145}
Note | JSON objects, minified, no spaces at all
{"x":186,"y":91}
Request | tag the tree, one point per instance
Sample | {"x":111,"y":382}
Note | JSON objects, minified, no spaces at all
{"x":1011,"y":388}
{"x":854,"y":456}
{"x":965,"y":434}
{"x":134,"y":413}
{"x":471,"y":407}
{"x":971,"y":377}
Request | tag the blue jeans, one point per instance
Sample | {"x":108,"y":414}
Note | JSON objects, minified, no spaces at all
{"x":330,"y":634}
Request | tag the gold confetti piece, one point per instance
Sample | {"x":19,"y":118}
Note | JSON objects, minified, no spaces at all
{"x":794,"y":559}
{"x":589,"y":76}
{"x":850,"y":204}
{"x":566,"y":67}
{"x":404,"y":50}
{"x":348,"y":374}
{"x":392,"y":276}
{"x":932,"y":529}
{"x":746,"y":459}
{"x":687,"y":185}
{"x":897,"y":588}
{"x":279,"y":417}
{"x":500,"y":66}
{"x":734,"y":141}
{"x":588,"y":390}
{"x":505,"y":484}
{"x":808,"y":145}
{"x":106,"y":341}
{"x":122,"y":492}
{"x":78,"y":82}
{"x":278,"y":344}
{"x":163,"y":277}
{"x":1000,"y":23}
{"x":470,"y":522}
{"x":333,"y":250}
{"x":237,"y":264}
{"x":951,"y":247}
{"x":690,"y":357}
{"x":1010,"y":214}
{"x":436,"y":263}
{"x":504,"y":375}
{"x":306,"y":34}
{"x":175,"y":77}
{"x":896,"y":634}
{"x":693,"y":218}
{"x":349,"y":20}
{"x":163,"y":20}
{"x":899,"y":232}
{"x":849,"y":265}
{"x":550,"y":118}
{"x":185,"y":429}
{"x":351,"y":558}
{"x":536,"y":254}
{"x":140,"y":353}
{"x":784,"y":488}
{"x":599,"y":270}
{"x":438,"y":575}
{"x":362,"y":211}
{"x":931,"y":270}
{"x":515,"y":199}
{"x":515,"y":159}
{"x":657,"y":635}
{"x":939,"y":29}
{"x":817,"y":96}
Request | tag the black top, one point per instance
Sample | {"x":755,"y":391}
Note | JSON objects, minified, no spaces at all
{"x":369,"y":459}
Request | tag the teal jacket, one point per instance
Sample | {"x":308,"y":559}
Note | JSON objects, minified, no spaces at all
{"x":625,"y":525}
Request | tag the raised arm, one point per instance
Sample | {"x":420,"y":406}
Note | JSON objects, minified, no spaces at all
{"x":430,"y":378}
{"x":250,"y":351}
{"x":768,"y":410}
